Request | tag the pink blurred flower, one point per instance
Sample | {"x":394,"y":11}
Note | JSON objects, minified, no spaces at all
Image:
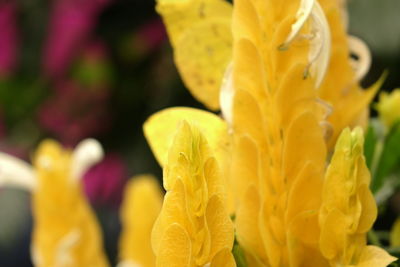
{"x":8,"y":38}
{"x":104,"y":182}
{"x":71,"y":24}
{"x":74,"y":113}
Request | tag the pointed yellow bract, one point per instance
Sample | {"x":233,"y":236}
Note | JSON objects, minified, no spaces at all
{"x":193,"y":228}
{"x":348,"y":208}
{"x":140,"y":208}
{"x":65,"y":233}
{"x":161,"y":127}
{"x":200,"y":34}
{"x":389,"y":107}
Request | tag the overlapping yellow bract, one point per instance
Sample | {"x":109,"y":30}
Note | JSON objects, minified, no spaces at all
{"x":200,"y":33}
{"x":348,"y":207}
{"x":389,"y":107}
{"x":65,"y":233}
{"x":279,"y":148}
{"x":193,"y":228}
{"x":140,"y":208}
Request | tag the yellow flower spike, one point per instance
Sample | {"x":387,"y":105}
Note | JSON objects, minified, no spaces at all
{"x":140,"y":208}
{"x":65,"y":231}
{"x":348,"y":208}
{"x":160,"y":129}
{"x":389,"y":107}
{"x":276,"y":115}
{"x":200,"y":34}
{"x":193,"y":228}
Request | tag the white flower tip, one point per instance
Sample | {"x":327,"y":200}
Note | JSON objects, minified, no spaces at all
{"x":321,"y":45}
{"x":63,"y":255}
{"x":362,"y":62}
{"x":302,"y":15}
{"x":86,"y":154}
{"x":15,"y":172}
{"x":129,"y":263}
{"x":226,"y":95}
{"x":319,"y":37}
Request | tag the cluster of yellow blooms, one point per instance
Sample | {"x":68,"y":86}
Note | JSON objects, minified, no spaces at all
{"x":281,"y":171}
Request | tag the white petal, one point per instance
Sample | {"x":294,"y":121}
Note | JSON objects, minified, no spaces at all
{"x":303,"y":13}
{"x":86,"y":154}
{"x":15,"y":172}
{"x":129,"y":263}
{"x":319,"y":37}
{"x":226,"y":95}
{"x":66,"y":244}
{"x":359,"y":49}
{"x":320,"y":45}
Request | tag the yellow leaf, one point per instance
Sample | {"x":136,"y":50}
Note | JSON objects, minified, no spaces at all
{"x":202,"y":56}
{"x":200,"y":34}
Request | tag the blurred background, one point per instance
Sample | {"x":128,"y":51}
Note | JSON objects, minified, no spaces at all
{"x":72,"y":69}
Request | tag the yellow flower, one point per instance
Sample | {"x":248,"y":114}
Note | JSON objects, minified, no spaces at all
{"x":193,"y":228}
{"x":141,"y":206}
{"x":65,"y":232}
{"x":200,"y":34}
{"x":389,"y":107}
{"x":348,"y":208}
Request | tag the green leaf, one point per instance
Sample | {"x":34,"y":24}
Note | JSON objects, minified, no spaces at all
{"x":369,"y":146}
{"x":239,"y":255}
{"x":389,"y":159}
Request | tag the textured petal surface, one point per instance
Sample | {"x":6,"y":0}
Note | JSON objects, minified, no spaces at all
{"x":194,"y":202}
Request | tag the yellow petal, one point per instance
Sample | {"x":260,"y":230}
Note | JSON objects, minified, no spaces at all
{"x":247,"y":218}
{"x":333,"y":234}
{"x":373,"y":256}
{"x":220,"y":226}
{"x":173,"y":211}
{"x":175,"y":248}
{"x":223,"y":258}
{"x":140,"y":208}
